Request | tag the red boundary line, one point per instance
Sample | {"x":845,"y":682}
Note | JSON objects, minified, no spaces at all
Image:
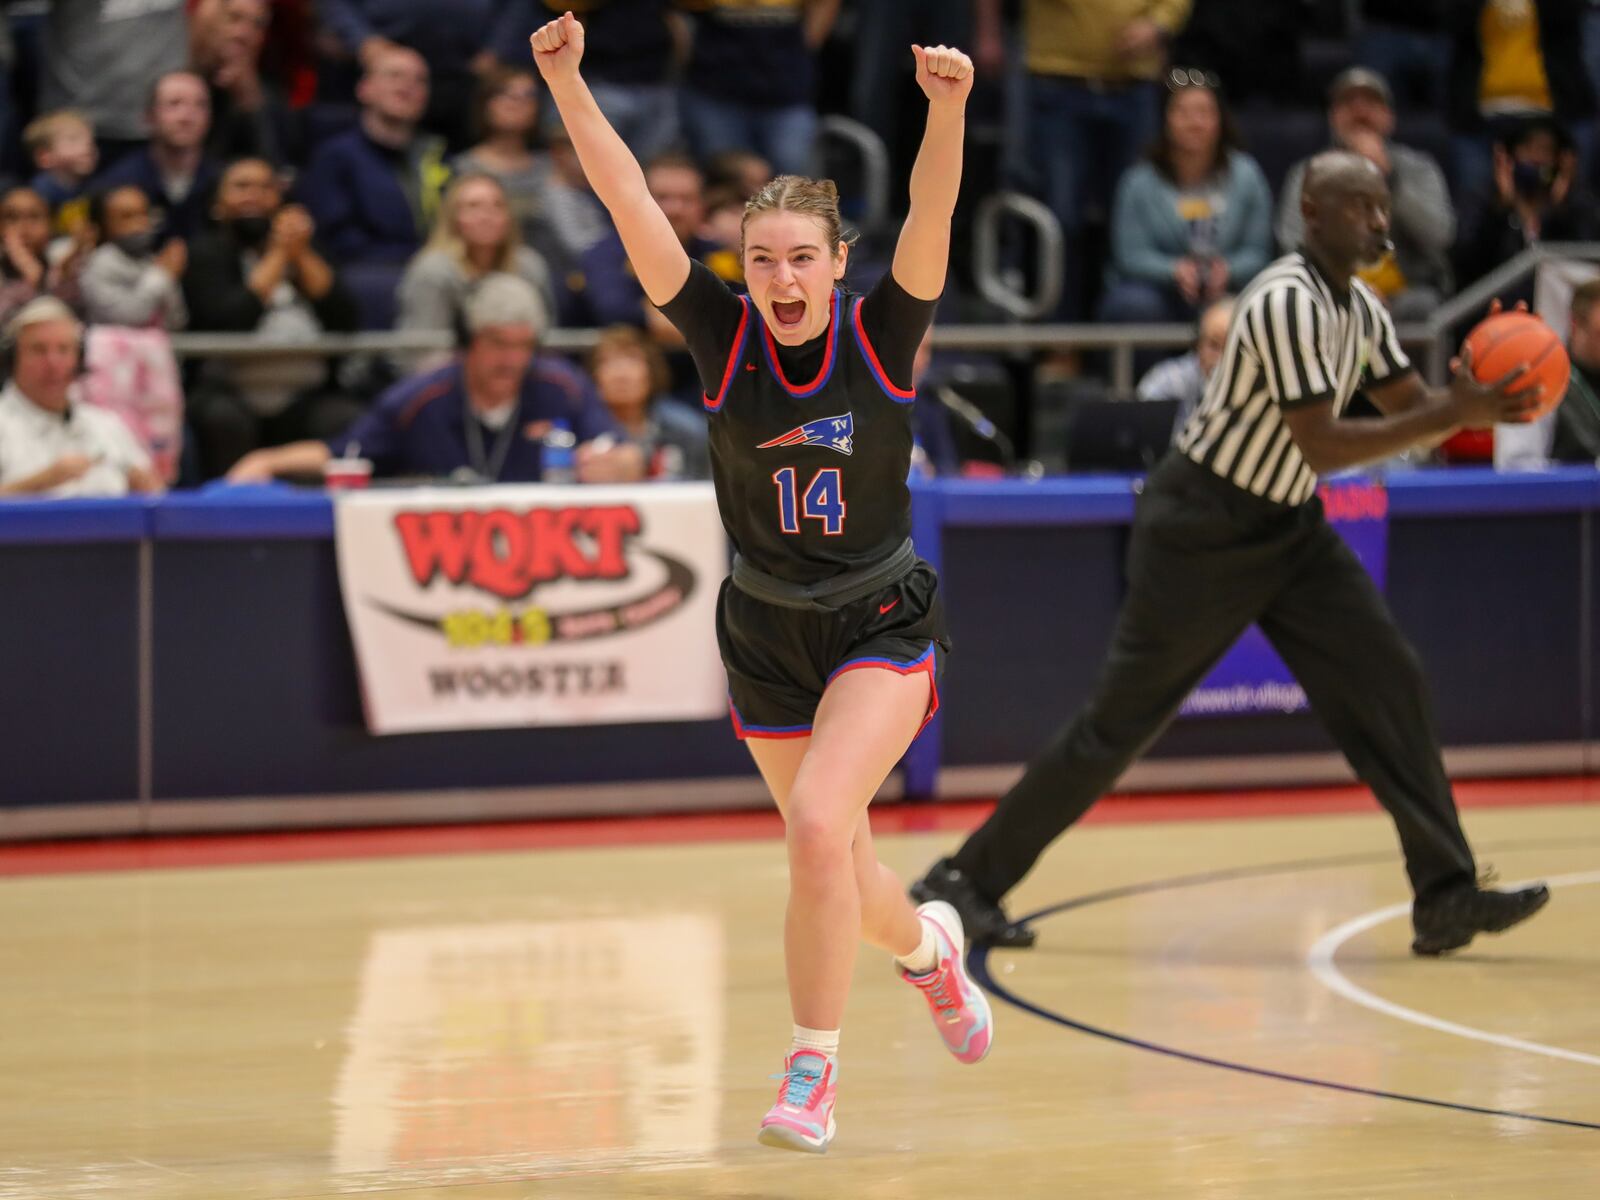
{"x":209,"y":850}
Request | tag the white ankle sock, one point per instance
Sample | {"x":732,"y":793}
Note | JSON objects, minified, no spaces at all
{"x":925,"y":957}
{"x":821,"y":1041}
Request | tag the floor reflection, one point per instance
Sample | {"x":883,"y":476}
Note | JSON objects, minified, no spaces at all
{"x":542,"y":1047}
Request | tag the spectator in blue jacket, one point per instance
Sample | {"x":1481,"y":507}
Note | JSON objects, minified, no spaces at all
{"x":480,"y":419}
{"x":1191,"y":222}
{"x":462,"y":40}
{"x":375,"y":191}
{"x":172,"y":169}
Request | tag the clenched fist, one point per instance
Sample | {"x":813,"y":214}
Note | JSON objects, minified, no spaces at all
{"x":558,"y":47}
{"x":944,"y":74}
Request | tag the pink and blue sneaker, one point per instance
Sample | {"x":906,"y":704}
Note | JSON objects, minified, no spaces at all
{"x":802,"y":1119}
{"x":960,"y":1009}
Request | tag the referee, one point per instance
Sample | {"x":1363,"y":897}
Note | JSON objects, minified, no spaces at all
{"x":1230,"y":531}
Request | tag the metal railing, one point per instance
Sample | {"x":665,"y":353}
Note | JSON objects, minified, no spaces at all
{"x":1433,"y":337}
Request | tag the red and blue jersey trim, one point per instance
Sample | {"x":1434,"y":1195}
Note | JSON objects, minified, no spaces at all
{"x":743,"y":730}
{"x":734,"y":355}
{"x":926,"y":661}
{"x":898,"y":395}
{"x":829,"y":357}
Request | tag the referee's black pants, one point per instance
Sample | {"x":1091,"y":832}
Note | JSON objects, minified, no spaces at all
{"x":1206,"y":559}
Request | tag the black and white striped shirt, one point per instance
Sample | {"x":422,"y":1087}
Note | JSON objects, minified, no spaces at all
{"x":1292,"y":342}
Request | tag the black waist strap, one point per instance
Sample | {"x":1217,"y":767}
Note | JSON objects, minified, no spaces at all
{"x":831,"y":594}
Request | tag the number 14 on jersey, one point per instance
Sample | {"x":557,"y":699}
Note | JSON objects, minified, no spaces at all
{"x":822,"y":500}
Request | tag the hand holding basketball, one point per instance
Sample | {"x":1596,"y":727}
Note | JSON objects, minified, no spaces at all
{"x":1522,"y":353}
{"x":558,"y":47}
{"x":944,"y":74}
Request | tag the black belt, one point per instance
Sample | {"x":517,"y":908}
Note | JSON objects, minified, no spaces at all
{"x":829,"y":595}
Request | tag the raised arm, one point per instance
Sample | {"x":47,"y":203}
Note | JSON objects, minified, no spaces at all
{"x":923,"y":252}
{"x":657,"y":256}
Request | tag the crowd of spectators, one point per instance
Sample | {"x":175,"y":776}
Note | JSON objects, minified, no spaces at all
{"x":289,"y":169}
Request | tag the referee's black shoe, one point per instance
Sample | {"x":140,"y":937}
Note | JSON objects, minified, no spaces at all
{"x":983,"y":921}
{"x":1451,"y":918}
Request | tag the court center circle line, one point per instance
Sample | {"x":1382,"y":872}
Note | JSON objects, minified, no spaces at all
{"x":978,"y":964}
{"x":1320,"y":958}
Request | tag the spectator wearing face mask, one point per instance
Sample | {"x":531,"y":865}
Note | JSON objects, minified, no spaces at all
{"x":173,"y":170}
{"x":1537,"y":197}
{"x":131,"y":278}
{"x":260,"y":272}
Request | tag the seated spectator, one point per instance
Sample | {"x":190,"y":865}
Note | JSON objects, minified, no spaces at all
{"x":1184,"y":378}
{"x":101,"y":57}
{"x":172,"y":169}
{"x":259,"y":272}
{"x":1192,"y":221}
{"x":129,"y":278}
{"x":1572,"y":433}
{"x":27,"y":268}
{"x":1537,"y":197}
{"x":462,"y":40}
{"x":62,"y":147}
{"x":1512,"y":60}
{"x":375,"y":190}
{"x":628,"y":62}
{"x":1415,"y":276}
{"x":50,"y":442}
{"x":631,"y":375}
{"x":611,"y":293}
{"x":482,"y":418}
{"x":507,"y":116}
{"x":751,"y":79}
{"x":249,"y":114}
{"x":475,"y":238}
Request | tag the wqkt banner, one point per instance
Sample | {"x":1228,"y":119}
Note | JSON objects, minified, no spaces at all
{"x":1251,"y":678}
{"x":533,"y":605}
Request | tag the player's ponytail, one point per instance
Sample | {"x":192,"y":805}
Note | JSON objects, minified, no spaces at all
{"x":814,"y":198}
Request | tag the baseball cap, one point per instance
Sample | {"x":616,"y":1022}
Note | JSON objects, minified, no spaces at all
{"x":1360,"y":79}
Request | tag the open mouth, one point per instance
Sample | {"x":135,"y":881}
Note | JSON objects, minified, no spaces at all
{"x":788,"y":313}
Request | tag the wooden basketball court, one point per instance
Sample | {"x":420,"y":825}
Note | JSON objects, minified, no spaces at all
{"x":1221,"y":1005}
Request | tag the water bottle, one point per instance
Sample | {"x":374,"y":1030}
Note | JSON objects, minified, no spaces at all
{"x":558,"y":460}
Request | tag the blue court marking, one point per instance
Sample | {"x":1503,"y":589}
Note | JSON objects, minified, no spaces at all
{"x":978,"y":965}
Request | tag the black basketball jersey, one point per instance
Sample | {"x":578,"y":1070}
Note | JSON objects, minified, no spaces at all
{"x":810,"y":445}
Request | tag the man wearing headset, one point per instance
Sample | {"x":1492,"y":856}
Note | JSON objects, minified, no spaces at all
{"x":483,"y":418}
{"x":50,"y":442}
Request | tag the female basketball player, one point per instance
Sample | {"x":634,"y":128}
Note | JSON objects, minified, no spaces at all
{"x":830,"y":627}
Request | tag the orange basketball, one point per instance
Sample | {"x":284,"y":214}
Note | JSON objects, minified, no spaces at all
{"x":1509,"y":340}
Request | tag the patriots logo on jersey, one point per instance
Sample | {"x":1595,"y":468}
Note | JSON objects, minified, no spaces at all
{"x":836,"y":433}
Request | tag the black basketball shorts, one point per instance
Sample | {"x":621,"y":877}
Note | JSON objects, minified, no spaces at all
{"x":780,"y":660}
